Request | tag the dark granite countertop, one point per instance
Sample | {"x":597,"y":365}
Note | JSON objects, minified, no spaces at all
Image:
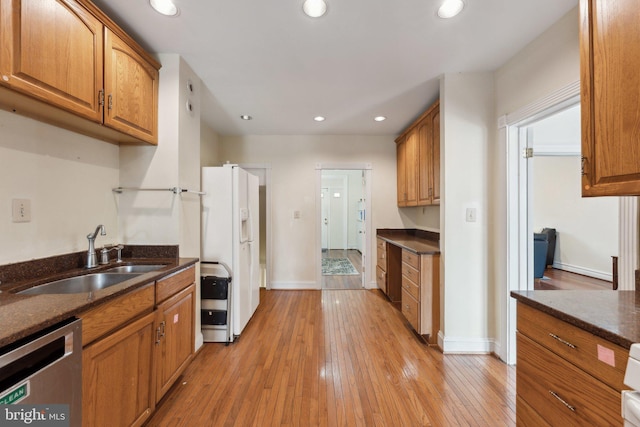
{"x":612,"y":315}
{"x":417,"y":241}
{"x":23,"y":315}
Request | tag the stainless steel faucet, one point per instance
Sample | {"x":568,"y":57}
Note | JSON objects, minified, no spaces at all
{"x":92,"y":259}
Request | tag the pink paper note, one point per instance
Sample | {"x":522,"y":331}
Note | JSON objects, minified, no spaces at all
{"x":606,"y":355}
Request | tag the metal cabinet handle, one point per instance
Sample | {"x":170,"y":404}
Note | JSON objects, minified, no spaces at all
{"x":583,"y":160}
{"x":162,"y":325}
{"x":565,"y":342}
{"x":564,"y":402}
{"x":158,"y":336}
{"x":110,"y":101}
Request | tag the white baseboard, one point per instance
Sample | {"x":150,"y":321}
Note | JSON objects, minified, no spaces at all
{"x":298,"y":286}
{"x":372,"y":285}
{"x":584,"y":271}
{"x":463,"y":345}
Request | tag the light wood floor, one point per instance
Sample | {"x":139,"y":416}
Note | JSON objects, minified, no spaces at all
{"x":336,"y":358}
{"x":344,"y":282}
{"x":560,"y":279}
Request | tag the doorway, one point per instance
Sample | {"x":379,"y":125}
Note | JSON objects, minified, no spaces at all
{"x":343,"y":228}
{"x":263,"y":172}
{"x":516,"y":138}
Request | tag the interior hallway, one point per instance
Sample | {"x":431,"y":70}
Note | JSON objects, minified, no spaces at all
{"x":334,"y":358}
{"x":344,"y":281}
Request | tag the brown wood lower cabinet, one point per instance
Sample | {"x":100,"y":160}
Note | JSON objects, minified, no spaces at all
{"x":421,"y":293}
{"x":176,"y":338}
{"x":562,"y":376}
{"x":117,"y":376}
{"x":134,"y":353}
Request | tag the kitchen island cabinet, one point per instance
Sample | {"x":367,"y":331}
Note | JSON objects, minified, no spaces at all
{"x":65,"y":62}
{"x":573,"y":348}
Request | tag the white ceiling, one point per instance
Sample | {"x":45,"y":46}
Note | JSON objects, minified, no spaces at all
{"x":364,"y":58}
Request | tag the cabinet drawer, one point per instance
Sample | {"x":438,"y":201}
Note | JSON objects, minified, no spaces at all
{"x":174,"y":283}
{"x":111,"y":315}
{"x":561,"y":393}
{"x":382,"y":260}
{"x":381,"y":279}
{"x":526,"y":416}
{"x":411,"y":288}
{"x":381,"y":245}
{"x":602,"y":359}
{"x":410,"y":258}
{"x":410,"y":273}
{"x":410,"y":309}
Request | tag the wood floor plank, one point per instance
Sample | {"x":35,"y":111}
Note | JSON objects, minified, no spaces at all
{"x":336,"y":358}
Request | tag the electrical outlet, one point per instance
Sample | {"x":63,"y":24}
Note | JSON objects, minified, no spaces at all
{"x":296,"y":214}
{"x":471,"y":214}
{"x":21,"y":210}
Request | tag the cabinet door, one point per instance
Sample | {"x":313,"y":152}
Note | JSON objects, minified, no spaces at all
{"x":401,"y":173}
{"x":610,"y":59}
{"x":425,"y":169}
{"x":176,"y":345}
{"x":411,"y":165}
{"x":435,"y":156}
{"x":117,"y":375}
{"x":52,"y":51}
{"x":131,"y":90}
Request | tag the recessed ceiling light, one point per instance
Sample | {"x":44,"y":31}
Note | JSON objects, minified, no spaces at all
{"x":450,"y":8}
{"x":319,"y":118}
{"x":165,"y":7}
{"x":246,"y":117}
{"x":314,"y":8}
{"x":380,"y":118}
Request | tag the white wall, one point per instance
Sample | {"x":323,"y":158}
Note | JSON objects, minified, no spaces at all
{"x":587,"y":227}
{"x":158,"y":218}
{"x":209,"y":146}
{"x":68,"y":178}
{"x":466,"y":102}
{"x":550,"y":62}
{"x":293,"y":161}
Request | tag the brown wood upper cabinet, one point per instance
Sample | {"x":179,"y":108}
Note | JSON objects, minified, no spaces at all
{"x":418,"y":160}
{"x":609,"y":62}
{"x":68,"y":54}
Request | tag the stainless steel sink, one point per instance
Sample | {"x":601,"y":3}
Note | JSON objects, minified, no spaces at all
{"x":80,"y":284}
{"x":135,"y":268}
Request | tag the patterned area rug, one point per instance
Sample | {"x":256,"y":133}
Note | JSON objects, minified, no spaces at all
{"x":338,"y":267}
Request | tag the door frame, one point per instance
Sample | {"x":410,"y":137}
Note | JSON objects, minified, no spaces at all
{"x":266,"y":167}
{"x":518,"y":242}
{"x":366,"y":263}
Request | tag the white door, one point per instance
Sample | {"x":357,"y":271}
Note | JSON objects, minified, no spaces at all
{"x":324,"y":195}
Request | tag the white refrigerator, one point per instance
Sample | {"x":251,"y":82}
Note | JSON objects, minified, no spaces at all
{"x":230,"y":235}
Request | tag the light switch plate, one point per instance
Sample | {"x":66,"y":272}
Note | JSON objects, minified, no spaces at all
{"x":471,"y":214}
{"x":21,"y":210}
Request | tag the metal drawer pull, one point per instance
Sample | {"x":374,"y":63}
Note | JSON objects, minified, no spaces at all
{"x":564,"y":402}
{"x":567,"y":343}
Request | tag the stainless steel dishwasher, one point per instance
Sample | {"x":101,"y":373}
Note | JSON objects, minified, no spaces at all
{"x":45,"y":369}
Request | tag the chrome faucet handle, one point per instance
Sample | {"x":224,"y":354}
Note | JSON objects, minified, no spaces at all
{"x":119,"y":248}
{"x":104,"y":256}
{"x":104,"y":253}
